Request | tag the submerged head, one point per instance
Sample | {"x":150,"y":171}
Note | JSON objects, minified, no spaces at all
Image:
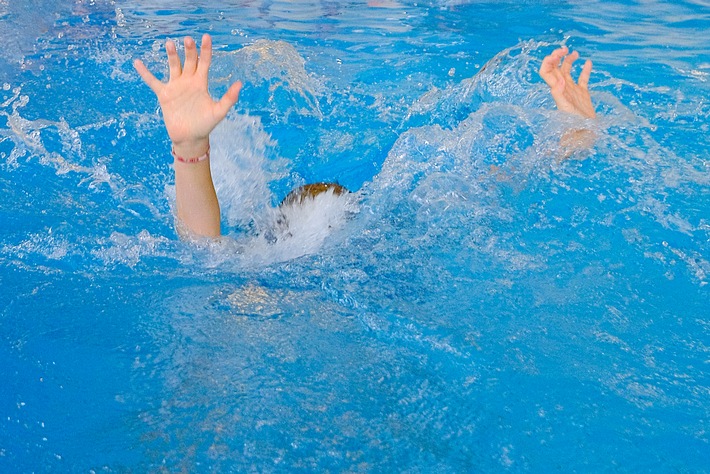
{"x":309,"y":213}
{"x":310,"y":191}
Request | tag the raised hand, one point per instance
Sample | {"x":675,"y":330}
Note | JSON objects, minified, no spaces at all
{"x":569,"y":96}
{"x":189,"y":112}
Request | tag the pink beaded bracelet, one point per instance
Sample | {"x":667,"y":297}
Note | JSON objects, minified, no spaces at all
{"x":191,"y":160}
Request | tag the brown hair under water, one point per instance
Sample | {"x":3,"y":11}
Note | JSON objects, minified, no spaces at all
{"x":298,"y":195}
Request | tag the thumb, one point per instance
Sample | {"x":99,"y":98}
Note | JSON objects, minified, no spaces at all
{"x":228,"y":99}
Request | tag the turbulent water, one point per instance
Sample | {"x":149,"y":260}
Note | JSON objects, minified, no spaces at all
{"x":477,"y":303}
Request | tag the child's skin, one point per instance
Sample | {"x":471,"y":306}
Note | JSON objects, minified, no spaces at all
{"x":190,"y":114}
{"x":569,"y":97}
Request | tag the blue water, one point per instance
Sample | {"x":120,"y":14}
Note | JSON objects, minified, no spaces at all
{"x":484,"y":307}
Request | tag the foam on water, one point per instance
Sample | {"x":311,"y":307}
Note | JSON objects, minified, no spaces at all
{"x":468,"y":145}
{"x":476,"y":302}
{"x":482,"y":132}
{"x":278,"y":67}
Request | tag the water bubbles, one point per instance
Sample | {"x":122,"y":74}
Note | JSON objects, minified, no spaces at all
{"x":120,"y":18}
{"x":277,"y":69}
{"x":129,"y":250}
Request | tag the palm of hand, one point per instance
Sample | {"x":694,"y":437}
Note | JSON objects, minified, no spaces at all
{"x":189,"y":112}
{"x":569,"y":96}
{"x":188,"y":109}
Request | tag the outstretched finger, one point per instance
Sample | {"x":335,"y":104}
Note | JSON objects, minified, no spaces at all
{"x":148,"y":77}
{"x":584,"y":76}
{"x":553,"y":60}
{"x":548,"y":68}
{"x":173,"y":60}
{"x":203,"y":65}
{"x":568,"y":61}
{"x":558,"y":93}
{"x":190,"y":55}
{"x":558,"y":54}
{"x":228,"y":100}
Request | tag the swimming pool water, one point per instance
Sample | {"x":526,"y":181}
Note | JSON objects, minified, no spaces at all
{"x":484,"y":307}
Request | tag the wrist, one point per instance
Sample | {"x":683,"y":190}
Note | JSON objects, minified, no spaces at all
{"x":191,"y":150}
{"x":191,"y":159}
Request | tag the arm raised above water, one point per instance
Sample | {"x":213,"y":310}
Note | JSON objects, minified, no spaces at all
{"x":190,"y":114}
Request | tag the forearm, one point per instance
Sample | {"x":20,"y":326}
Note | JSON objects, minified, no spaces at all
{"x":197,"y":205}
